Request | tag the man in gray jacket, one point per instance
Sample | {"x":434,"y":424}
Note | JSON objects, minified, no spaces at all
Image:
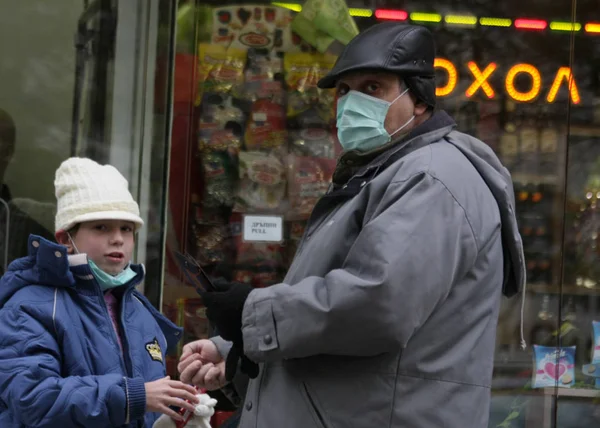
{"x":387,"y":316}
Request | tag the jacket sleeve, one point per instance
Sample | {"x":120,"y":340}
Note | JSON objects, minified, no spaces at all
{"x":32,"y":387}
{"x":413,"y":248}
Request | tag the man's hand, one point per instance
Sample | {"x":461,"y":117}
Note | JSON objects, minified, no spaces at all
{"x":165,"y":392}
{"x":202,"y":365}
{"x":224,"y":309}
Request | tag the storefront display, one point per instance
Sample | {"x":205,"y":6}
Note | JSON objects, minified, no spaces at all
{"x":211,"y":111}
{"x":261,"y":141}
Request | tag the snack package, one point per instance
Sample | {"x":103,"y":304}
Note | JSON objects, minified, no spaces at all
{"x":256,"y":26}
{"x":596,"y":342}
{"x":592,"y":370}
{"x":220,"y":69}
{"x":262,"y":182}
{"x":211,"y":243}
{"x":307,"y":104}
{"x":316,"y":142}
{"x":219,"y":180}
{"x":263,"y":77}
{"x":308,"y":178}
{"x":322,"y":21}
{"x":553,"y":366}
{"x":266,"y":127}
{"x":221,"y":124}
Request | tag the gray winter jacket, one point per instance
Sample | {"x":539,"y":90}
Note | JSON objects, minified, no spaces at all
{"x":387,"y":316}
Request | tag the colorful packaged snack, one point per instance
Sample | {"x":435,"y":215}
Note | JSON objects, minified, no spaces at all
{"x":307,"y":104}
{"x":219,"y":179}
{"x":316,"y":142}
{"x":262,"y":182}
{"x":553,"y":366}
{"x":308,"y":178}
{"x":263,"y":77}
{"x":256,"y":26}
{"x":596,"y":342}
{"x":211,"y":243}
{"x":220,"y":69}
{"x":221,"y":124}
{"x":321,"y":22}
{"x":266,"y":127}
{"x":592,"y":370}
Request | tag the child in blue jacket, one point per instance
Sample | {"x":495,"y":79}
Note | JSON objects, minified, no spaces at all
{"x":79,"y":345}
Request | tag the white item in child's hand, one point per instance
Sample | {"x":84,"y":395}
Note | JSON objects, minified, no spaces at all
{"x":202,"y":414}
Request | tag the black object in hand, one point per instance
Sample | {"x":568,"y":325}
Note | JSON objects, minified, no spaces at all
{"x":224,"y":308}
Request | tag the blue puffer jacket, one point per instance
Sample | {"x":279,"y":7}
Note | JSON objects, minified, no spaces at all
{"x":60,"y":362}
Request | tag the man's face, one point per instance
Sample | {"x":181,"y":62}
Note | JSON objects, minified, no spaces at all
{"x":385,"y":86}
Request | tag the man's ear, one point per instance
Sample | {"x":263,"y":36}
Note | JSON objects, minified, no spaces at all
{"x":420,"y":108}
{"x":62,"y":237}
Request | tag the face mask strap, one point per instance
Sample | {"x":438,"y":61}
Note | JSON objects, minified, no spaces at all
{"x":403,"y":126}
{"x":73,"y":242}
{"x":400,"y":96}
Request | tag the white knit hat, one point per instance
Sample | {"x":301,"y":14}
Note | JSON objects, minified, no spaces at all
{"x":88,"y":191}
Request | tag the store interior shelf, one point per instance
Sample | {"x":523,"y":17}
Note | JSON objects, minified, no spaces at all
{"x":540,"y":288}
{"x":534,"y":178}
{"x":551,"y":391}
{"x":572,"y":392}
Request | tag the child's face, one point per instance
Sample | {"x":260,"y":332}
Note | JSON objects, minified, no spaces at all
{"x":108,"y":243}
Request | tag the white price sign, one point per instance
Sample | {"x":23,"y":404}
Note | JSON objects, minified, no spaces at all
{"x":263,"y":228}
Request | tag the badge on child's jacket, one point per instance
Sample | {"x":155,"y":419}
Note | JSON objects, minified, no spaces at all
{"x":154,"y":350}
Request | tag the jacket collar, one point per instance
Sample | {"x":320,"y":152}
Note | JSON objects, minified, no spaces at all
{"x":49,"y":264}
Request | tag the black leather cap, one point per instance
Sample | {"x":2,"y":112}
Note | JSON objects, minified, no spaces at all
{"x":406,"y":50}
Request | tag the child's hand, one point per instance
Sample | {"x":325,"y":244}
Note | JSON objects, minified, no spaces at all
{"x":202,"y":365}
{"x":165,"y":392}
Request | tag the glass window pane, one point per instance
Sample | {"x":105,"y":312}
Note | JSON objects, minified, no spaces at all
{"x":249,"y":138}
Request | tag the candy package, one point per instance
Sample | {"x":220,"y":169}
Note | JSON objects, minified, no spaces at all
{"x":256,"y":26}
{"x":263,"y":77}
{"x":266,"y":128}
{"x":262,"y":182}
{"x":596,"y":342}
{"x":315,"y":142}
{"x":211,"y":243}
{"x":220,"y":69}
{"x":321,"y":22}
{"x":308,"y":178}
{"x":219,"y":179}
{"x":221,"y":124}
{"x":553,"y":366}
{"x":308,"y":105}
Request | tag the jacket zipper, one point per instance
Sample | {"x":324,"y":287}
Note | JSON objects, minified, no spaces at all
{"x":125,"y":344}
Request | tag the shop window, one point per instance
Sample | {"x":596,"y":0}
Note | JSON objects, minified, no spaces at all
{"x":253,"y":136}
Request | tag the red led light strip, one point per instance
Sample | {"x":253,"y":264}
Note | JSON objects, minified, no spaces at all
{"x":392,"y":15}
{"x":531,"y":24}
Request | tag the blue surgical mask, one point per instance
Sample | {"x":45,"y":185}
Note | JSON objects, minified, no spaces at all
{"x":360,"y":121}
{"x":108,"y":281}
